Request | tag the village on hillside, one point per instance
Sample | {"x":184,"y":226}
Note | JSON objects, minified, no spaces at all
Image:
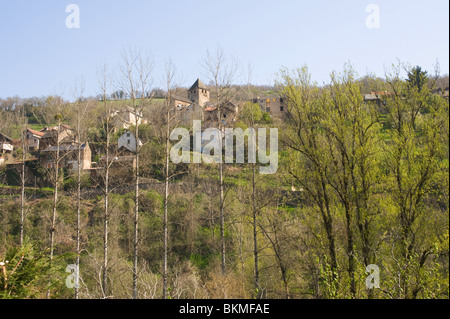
{"x":93,"y":184}
{"x":41,"y":146}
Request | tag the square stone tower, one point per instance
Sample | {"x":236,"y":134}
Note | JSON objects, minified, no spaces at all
{"x":199,"y":93}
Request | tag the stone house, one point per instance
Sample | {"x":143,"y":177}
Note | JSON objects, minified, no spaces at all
{"x":68,"y":154}
{"x":181,"y":103}
{"x":199,"y":107}
{"x":126,"y":117}
{"x":51,"y":136}
{"x":33,"y":139}
{"x":229,"y":112}
{"x":275,"y":106}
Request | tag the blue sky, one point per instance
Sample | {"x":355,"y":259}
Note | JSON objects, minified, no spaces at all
{"x":40,"y":56}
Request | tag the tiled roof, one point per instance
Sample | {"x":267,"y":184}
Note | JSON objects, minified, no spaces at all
{"x":36,"y":132}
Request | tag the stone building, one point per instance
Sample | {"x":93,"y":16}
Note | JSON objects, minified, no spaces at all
{"x":199,"y":107}
{"x":199,"y":93}
{"x":33,"y":139}
{"x":228,"y":114}
{"x":126,"y":117}
{"x":51,"y":136}
{"x":275,"y":106}
{"x":68,"y":154}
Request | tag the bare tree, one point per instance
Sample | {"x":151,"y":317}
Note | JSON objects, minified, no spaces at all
{"x":136,"y":70}
{"x":254,"y":208}
{"x":14,"y":110}
{"x":82,"y":106}
{"x":57,"y":158}
{"x":222,"y":76}
{"x":24,"y":122}
{"x":171,"y":118}
{"x":55,"y":195}
{"x":21,"y":120}
{"x":104,"y":85}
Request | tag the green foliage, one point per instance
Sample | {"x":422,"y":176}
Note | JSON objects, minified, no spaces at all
{"x":29,"y":273}
{"x":359,"y":182}
{"x":417,"y":78}
{"x":373,"y":172}
{"x":252,"y":113}
{"x":70,"y":184}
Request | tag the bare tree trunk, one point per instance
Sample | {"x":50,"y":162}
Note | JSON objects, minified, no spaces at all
{"x":106,"y":213}
{"x":254,"y":209}
{"x":136,"y":70}
{"x":255,"y":234}
{"x":80,"y":113}
{"x":136,"y":208}
{"x":22,"y":196}
{"x":166,"y":196}
{"x":222,"y":220}
{"x":221,"y":184}
{"x":78,"y":203}
{"x":222,"y":76}
{"x":169,"y":75}
{"x":55,"y":197}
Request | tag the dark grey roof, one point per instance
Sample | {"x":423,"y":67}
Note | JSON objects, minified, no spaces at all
{"x":198,"y":85}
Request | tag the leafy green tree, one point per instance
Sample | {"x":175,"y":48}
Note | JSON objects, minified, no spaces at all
{"x":417,"y":78}
{"x":415,"y":158}
{"x":25,"y":273}
{"x":251,"y":113}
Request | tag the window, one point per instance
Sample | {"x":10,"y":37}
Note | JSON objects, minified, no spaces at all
{"x":28,"y":135}
{"x":224,"y":116}
{"x":128,"y":142}
{"x":281,"y":108}
{"x":128,"y":134}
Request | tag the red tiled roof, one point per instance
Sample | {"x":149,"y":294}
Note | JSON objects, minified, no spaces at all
{"x":36,"y":132}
